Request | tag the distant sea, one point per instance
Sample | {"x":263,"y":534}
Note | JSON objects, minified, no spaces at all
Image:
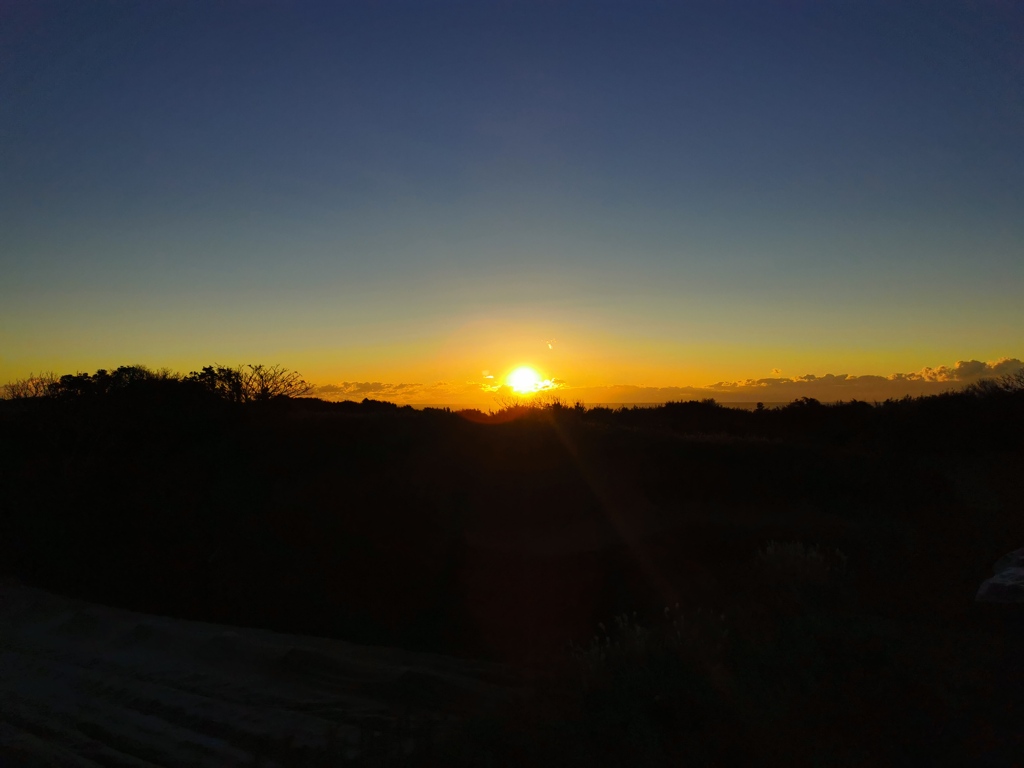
{"x":460,"y":407}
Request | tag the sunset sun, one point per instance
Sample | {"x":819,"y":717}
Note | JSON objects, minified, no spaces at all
{"x":524,"y":380}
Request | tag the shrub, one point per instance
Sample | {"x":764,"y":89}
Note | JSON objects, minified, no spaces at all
{"x":646,"y":691}
{"x":796,"y":577}
{"x":793,"y":559}
{"x":34,"y":386}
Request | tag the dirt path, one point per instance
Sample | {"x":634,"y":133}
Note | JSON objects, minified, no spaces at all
{"x":83,"y":684}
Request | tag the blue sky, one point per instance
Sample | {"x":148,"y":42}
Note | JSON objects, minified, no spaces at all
{"x":679,"y":193}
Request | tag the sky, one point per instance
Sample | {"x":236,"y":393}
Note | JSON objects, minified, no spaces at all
{"x":408,"y":200}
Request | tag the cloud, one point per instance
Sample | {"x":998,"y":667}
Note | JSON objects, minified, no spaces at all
{"x":357,"y":390}
{"x":843,"y":386}
{"x":968,"y":371}
{"x":1005,"y":366}
{"x":630,"y":393}
{"x":507,"y":391}
{"x":827,"y":387}
{"x":436,"y":393}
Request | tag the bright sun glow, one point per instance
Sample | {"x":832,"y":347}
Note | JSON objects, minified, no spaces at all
{"x":524,"y":380}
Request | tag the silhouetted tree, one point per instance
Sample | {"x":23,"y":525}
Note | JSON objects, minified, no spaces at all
{"x":251,"y":383}
{"x":34,"y":386}
{"x":1009,"y":384}
{"x":221,"y":380}
{"x":803,"y":403}
{"x":104,"y":382}
{"x":263,"y":382}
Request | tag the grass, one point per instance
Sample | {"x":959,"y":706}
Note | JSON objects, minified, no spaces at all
{"x":772,"y":679}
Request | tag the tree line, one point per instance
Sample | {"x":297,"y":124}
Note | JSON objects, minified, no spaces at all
{"x":237,"y":384}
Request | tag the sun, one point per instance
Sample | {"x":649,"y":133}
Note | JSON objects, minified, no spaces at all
{"x":524,"y":380}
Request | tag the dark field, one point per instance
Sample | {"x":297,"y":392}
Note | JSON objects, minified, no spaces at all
{"x":853,"y":640}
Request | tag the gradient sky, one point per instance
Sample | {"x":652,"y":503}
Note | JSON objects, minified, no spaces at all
{"x":400,"y":193}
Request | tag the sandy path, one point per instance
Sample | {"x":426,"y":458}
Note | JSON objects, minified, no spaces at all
{"x":83,"y":685}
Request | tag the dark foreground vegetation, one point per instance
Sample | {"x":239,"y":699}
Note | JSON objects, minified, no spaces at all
{"x":688,"y":584}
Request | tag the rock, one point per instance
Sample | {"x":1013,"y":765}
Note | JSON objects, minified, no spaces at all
{"x":1007,"y":586}
{"x":1014,"y":559}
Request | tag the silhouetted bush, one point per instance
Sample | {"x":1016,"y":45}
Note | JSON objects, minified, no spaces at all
{"x":41,"y":385}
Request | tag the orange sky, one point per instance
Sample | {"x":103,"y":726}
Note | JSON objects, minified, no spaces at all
{"x":678,"y":194}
